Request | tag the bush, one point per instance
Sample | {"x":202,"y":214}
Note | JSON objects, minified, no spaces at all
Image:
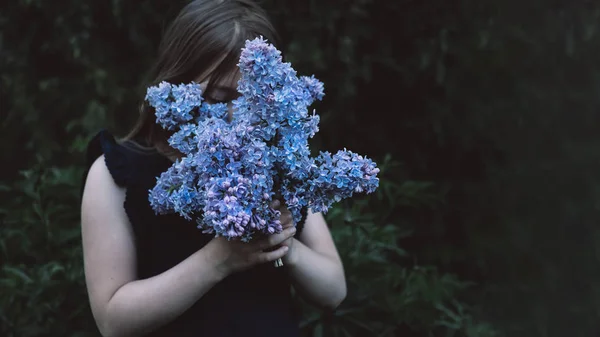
{"x":389,"y":293}
{"x":43,"y":285}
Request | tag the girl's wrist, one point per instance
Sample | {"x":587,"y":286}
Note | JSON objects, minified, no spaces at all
{"x":291,"y":258}
{"x":215,"y":260}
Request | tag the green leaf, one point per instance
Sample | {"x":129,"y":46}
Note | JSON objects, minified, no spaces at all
{"x":360,"y":324}
{"x":318,"y":330}
{"x":18,"y":273}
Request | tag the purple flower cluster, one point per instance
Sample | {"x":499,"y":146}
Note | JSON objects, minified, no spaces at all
{"x":231,"y":171}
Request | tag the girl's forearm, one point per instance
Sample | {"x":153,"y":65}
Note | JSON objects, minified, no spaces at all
{"x":144,"y":305}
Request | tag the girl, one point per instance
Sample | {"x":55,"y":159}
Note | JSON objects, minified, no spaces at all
{"x":150,"y":275}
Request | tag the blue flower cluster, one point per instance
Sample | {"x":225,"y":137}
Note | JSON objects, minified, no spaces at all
{"x":232,"y":170}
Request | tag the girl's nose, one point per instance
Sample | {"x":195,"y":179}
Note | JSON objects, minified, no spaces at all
{"x":230,"y":111}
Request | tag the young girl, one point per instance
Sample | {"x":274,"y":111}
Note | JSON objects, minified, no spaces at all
{"x":150,"y":275}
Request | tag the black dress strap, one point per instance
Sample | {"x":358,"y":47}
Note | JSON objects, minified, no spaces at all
{"x":300,"y":224}
{"x":115,"y":156}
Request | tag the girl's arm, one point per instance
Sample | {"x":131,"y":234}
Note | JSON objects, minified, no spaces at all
{"x":315,"y":265}
{"x":121,"y":304}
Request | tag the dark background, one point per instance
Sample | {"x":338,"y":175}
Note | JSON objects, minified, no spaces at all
{"x":482,"y":114}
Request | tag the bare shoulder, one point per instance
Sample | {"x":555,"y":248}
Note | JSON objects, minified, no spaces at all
{"x":102,"y":199}
{"x":99,"y":175}
{"x":100,"y":187}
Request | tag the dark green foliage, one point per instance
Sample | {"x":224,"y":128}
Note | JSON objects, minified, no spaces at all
{"x":43,"y":286}
{"x":390,"y":294}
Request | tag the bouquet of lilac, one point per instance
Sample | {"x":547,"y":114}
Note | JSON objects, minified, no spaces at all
{"x":232,"y":169}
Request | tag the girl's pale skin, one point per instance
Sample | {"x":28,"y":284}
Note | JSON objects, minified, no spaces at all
{"x":124,"y":305}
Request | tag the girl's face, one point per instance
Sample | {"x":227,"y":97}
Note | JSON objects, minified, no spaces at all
{"x":224,"y":91}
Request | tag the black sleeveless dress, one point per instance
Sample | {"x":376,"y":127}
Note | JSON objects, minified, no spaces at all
{"x":257,"y":302}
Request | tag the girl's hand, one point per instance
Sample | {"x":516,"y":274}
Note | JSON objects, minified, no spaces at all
{"x":235,"y":256}
{"x":287,"y":222}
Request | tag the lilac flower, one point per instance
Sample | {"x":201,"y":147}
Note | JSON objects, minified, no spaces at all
{"x":217,"y":110}
{"x":231,"y":171}
{"x":185,"y":139}
{"x":174,"y":103}
{"x":175,"y":191}
{"x":314,"y":87}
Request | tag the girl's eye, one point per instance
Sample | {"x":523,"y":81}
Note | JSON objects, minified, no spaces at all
{"x":222,"y":96}
{"x":220,"y":99}
{"x":214,"y":100}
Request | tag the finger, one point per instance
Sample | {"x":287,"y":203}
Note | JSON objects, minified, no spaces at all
{"x":286,"y":219}
{"x":276,"y":239}
{"x":278,"y":253}
{"x":275,"y":204}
